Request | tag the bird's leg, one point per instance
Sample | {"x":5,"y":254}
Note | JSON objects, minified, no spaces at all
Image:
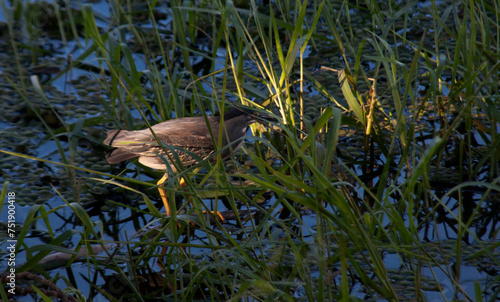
{"x":162,"y":193}
{"x":219,"y":215}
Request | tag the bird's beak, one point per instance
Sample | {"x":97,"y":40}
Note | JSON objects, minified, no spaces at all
{"x":263,"y":117}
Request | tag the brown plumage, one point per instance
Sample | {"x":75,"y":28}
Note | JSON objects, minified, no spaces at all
{"x":189,"y":134}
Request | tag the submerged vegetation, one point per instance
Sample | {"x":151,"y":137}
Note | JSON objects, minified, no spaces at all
{"x":380,"y":180}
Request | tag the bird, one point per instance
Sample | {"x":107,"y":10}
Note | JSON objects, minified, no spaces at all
{"x":190,"y":137}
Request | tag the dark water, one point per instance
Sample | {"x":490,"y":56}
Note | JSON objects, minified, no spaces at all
{"x":120,"y":214}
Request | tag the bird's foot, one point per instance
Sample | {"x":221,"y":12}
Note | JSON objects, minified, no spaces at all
{"x":212,"y":217}
{"x":217,"y":215}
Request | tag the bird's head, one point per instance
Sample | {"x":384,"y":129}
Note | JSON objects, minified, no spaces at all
{"x":237,"y":120}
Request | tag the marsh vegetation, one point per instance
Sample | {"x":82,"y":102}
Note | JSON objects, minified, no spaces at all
{"x":380,"y":180}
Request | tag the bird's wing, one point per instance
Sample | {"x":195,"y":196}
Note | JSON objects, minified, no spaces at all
{"x":187,"y":141}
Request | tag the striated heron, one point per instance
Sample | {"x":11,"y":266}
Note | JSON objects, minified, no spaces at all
{"x":187,"y":136}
